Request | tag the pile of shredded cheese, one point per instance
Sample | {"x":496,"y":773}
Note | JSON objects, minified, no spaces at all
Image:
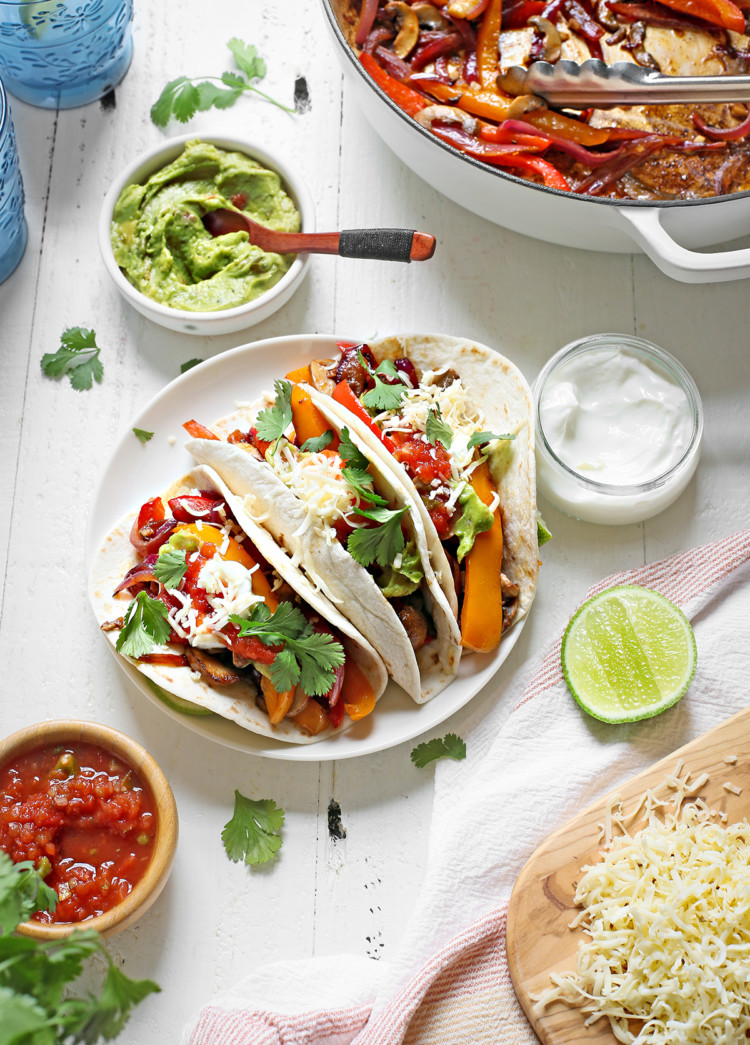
{"x":666,"y":954}
{"x":317,"y":479}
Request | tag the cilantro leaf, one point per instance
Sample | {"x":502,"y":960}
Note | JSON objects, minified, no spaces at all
{"x":22,"y":893}
{"x":146,"y":625}
{"x":449,"y":746}
{"x":186,"y":95}
{"x":383,"y":396}
{"x":252,"y":834}
{"x":247,"y":59}
{"x":170,"y":567}
{"x":316,"y":443}
{"x":308,"y":657}
{"x":23,"y":1020}
{"x":379,"y":544}
{"x":482,"y":438}
{"x":78,"y":357}
{"x":105,"y":1016}
{"x":348,"y":452}
{"x":184,"y":367}
{"x":272,"y":422}
{"x":361,"y":484}
{"x":438,"y":430}
{"x":142,"y":434}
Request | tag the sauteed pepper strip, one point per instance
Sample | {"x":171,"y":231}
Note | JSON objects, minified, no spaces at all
{"x":482,"y":610}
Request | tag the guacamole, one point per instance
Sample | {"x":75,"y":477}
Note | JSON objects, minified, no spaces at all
{"x":164,"y":250}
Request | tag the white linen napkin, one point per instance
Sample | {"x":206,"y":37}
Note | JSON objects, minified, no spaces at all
{"x":534,"y":761}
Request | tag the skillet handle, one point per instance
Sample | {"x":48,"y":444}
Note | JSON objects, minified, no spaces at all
{"x":676,"y":261}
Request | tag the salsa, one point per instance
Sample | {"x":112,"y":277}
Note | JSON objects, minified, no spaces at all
{"x":85,"y":820}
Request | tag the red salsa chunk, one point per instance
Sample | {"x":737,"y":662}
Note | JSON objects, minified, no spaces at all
{"x":85,"y":820}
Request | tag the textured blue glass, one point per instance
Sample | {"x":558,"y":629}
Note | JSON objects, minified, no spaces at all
{"x":63,"y":53}
{"x":12,"y":222}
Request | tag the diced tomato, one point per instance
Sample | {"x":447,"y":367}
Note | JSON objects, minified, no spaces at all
{"x":442,"y":517}
{"x":189,"y":508}
{"x":423,"y":461}
{"x":251,"y":648}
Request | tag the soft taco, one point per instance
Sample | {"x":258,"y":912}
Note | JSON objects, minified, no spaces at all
{"x":207,"y":606}
{"x":347,"y":521}
{"x":452,"y":420}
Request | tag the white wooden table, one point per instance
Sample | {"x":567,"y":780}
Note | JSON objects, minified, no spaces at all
{"x":217,"y":921}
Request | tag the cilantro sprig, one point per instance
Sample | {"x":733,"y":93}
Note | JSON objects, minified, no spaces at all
{"x":437,"y":430}
{"x":308,"y":657}
{"x":170,"y":567}
{"x":316,"y":443}
{"x":272,"y":422}
{"x":252,"y":834}
{"x":384,"y":396}
{"x":143,"y":435}
{"x":36,"y":976}
{"x":449,"y":746}
{"x":146,"y":626}
{"x":77,"y":356}
{"x":482,"y":438}
{"x":380,"y":543}
{"x":355,"y":471}
{"x":183,"y":97}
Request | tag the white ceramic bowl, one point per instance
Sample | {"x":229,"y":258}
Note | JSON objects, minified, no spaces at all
{"x":228,"y":320}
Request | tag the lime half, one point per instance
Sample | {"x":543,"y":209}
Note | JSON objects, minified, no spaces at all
{"x":627,"y":654}
{"x":186,"y":707}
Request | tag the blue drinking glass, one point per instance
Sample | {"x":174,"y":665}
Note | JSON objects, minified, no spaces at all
{"x":62,"y":53}
{"x":13,"y":232}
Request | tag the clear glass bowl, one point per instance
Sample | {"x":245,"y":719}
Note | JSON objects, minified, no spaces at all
{"x":607,"y":502}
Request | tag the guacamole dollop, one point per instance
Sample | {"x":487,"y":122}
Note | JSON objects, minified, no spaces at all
{"x":160,"y":243}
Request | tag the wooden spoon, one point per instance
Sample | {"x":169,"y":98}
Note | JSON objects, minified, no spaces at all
{"x":377,"y":244}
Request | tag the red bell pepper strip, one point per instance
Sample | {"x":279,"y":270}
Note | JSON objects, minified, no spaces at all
{"x":487,"y":43}
{"x":550,"y":175}
{"x":343,"y":394}
{"x":516,"y":14}
{"x":406,"y":98}
{"x":723,"y":13}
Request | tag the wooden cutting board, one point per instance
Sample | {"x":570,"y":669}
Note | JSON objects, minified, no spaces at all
{"x":541,"y":905}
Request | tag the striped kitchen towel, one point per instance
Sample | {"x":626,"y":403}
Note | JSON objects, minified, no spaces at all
{"x":535,"y":760}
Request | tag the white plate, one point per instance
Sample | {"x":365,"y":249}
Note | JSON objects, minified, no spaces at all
{"x":136,"y":472}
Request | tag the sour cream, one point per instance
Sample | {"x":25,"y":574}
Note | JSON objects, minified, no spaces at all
{"x":619,"y":429}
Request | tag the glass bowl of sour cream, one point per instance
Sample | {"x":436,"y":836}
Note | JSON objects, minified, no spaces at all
{"x":619,"y":426}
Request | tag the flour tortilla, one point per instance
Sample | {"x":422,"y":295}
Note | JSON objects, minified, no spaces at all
{"x":235,"y":702}
{"x":505,"y":398}
{"x":266,"y":500}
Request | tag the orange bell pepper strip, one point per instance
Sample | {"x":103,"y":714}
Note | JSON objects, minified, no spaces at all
{"x":404,"y":97}
{"x":357,"y":693}
{"x":487,"y":43}
{"x":487,"y":103}
{"x":343,"y":394}
{"x":482,"y":610}
{"x":277,"y":704}
{"x":199,"y":431}
{"x":566,"y":127}
{"x":312,"y":719}
{"x":307,"y":419}
{"x":719,"y":12}
{"x":300,"y":375}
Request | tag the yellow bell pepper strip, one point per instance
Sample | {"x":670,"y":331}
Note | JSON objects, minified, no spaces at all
{"x":307,"y":419}
{"x":357,"y":693}
{"x":300,"y":375}
{"x":487,"y":103}
{"x":488,"y":39}
{"x":405,"y":97}
{"x":482,"y":610}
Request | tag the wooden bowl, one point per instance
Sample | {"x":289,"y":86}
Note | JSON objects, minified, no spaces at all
{"x":145,"y":892}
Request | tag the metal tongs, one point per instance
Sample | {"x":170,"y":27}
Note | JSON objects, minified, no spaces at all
{"x":594,"y":84}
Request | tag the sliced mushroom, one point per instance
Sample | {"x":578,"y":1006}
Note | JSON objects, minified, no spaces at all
{"x":415,"y":625}
{"x":301,"y":700}
{"x":446,"y":377}
{"x":552,"y":44}
{"x":211,"y":668}
{"x":509,"y":588}
{"x":430,"y":17}
{"x":509,"y":613}
{"x":449,"y":114}
{"x":466,"y":8}
{"x":321,"y":378}
{"x":522,"y":104}
{"x":408,"y":32}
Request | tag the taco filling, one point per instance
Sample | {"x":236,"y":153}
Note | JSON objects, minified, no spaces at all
{"x":203,"y":597}
{"x":334,"y":480}
{"x":433,"y":426}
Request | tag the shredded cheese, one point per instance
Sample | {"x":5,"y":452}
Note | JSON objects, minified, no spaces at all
{"x":666,"y":916}
{"x":318,"y":482}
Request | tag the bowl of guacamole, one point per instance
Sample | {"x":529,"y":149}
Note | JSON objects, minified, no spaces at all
{"x":165,"y":262}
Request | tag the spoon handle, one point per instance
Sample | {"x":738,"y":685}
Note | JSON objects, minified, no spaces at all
{"x":377,"y":244}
